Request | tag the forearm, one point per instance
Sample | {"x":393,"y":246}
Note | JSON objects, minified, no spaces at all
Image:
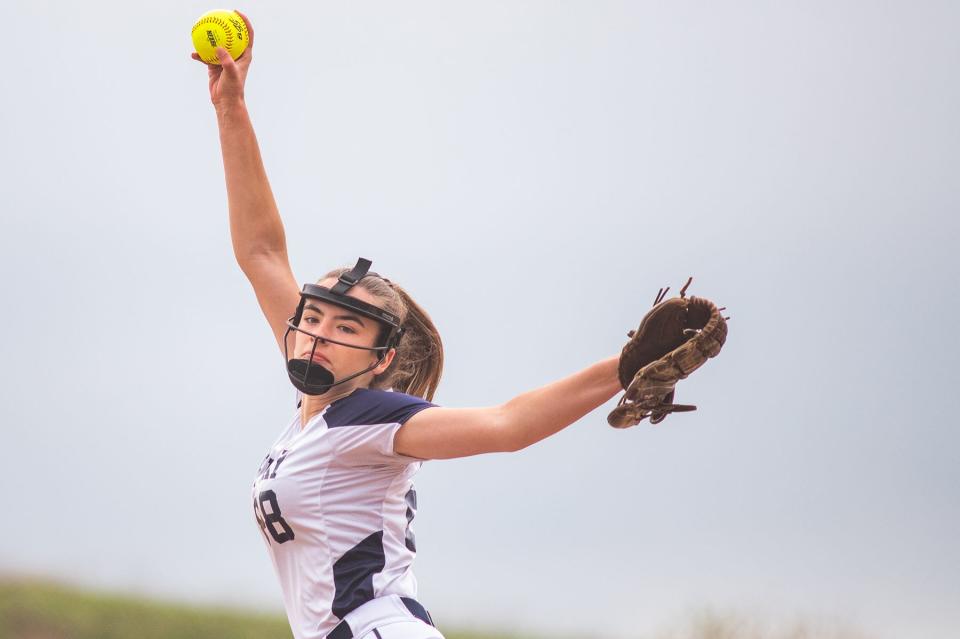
{"x":537,"y":414}
{"x":255,"y":224}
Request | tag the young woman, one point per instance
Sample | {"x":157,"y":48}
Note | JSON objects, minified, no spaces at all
{"x":334,"y":496}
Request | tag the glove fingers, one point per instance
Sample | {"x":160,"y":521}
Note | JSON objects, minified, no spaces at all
{"x":681,"y":408}
{"x":626,"y":415}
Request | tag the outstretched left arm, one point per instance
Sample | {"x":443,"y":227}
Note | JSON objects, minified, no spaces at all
{"x":445,"y":433}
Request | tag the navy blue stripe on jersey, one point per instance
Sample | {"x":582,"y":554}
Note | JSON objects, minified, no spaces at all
{"x":417,"y":610}
{"x":353,"y":574}
{"x":342,"y":631}
{"x":366,"y":407}
{"x":410,"y":541}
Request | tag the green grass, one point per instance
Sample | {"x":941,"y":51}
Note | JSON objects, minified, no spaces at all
{"x":37,"y":609}
{"x":41,"y":610}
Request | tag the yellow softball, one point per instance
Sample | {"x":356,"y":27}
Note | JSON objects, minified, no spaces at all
{"x":220,"y":28}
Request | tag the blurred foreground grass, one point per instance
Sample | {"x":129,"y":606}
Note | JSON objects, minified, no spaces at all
{"x":710,"y":624}
{"x":33,"y":609}
{"x":36,"y":609}
{"x":39,"y":610}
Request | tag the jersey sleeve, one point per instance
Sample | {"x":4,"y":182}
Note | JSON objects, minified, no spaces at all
{"x":365,"y":423}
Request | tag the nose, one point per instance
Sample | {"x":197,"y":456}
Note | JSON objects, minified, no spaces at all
{"x":315,"y":342}
{"x":318,"y":335}
{"x":320,"y":331}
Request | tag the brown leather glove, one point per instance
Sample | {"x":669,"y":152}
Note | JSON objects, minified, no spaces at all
{"x":674,"y":339}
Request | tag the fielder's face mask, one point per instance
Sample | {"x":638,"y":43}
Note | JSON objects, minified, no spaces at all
{"x":309,"y":375}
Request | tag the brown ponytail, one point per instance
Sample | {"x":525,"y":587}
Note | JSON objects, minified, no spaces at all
{"x":418,"y":365}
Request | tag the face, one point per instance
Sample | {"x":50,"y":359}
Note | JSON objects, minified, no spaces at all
{"x":322,"y":319}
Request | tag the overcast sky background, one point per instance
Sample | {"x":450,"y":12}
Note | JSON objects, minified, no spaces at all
{"x":532,"y":172}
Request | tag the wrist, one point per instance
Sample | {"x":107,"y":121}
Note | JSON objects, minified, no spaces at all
{"x":228,"y":109}
{"x":611,"y":374}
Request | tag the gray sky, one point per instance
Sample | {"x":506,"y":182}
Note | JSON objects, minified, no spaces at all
{"x":532,"y":172}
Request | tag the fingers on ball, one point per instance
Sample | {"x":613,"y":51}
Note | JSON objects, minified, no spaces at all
{"x":246,"y":21}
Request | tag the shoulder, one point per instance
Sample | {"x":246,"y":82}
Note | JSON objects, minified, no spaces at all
{"x":367,"y":406}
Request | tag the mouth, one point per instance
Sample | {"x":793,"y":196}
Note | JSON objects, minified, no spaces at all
{"x":317,"y":358}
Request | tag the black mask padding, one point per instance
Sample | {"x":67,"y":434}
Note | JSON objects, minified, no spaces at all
{"x":309,"y":377}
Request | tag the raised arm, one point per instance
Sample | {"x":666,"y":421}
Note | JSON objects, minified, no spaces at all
{"x":445,"y":433}
{"x":259,"y":242}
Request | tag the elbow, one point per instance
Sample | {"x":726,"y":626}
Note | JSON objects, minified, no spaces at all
{"x":517,"y":445}
{"x":513,"y":436}
{"x":254,"y":260}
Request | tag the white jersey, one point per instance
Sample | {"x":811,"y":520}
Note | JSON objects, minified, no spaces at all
{"x":334,"y":502}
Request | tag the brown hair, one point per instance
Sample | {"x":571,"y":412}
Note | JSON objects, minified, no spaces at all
{"x":418,"y":365}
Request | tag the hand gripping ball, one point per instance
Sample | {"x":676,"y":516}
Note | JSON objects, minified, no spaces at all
{"x":220,"y":28}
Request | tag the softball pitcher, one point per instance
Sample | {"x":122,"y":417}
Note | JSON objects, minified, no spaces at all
{"x":334,"y":496}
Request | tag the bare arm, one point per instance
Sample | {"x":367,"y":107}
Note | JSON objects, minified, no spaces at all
{"x":444,"y":433}
{"x":259,"y":242}
{"x":255,"y":225}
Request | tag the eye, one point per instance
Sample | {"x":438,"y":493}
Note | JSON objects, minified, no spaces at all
{"x":310,"y":320}
{"x":348,"y":329}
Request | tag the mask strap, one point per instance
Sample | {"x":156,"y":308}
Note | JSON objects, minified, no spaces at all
{"x":349,"y":279}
